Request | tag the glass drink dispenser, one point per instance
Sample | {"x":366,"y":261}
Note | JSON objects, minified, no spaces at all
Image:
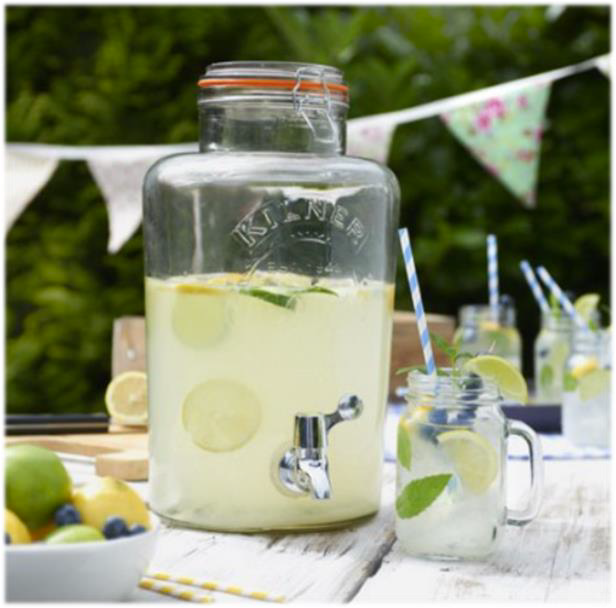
{"x":270,"y":259}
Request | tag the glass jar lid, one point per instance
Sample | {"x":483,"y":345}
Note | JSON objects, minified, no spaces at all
{"x":281,"y":80}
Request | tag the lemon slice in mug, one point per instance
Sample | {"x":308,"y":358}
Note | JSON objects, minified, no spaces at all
{"x":509,"y":380}
{"x":473,"y":457}
{"x":594,"y":383}
{"x":221,"y":415}
{"x":586,"y":367}
{"x":126,"y":398}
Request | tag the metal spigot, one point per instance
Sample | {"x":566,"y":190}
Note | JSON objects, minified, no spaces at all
{"x":304,"y":468}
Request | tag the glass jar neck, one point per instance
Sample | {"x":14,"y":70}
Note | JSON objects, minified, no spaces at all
{"x":475,"y":315}
{"x":591,"y":342}
{"x":556,"y":321}
{"x":449,"y":391}
{"x":262,"y":126}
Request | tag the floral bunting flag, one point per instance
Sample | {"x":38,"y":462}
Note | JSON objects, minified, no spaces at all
{"x":603,"y":64}
{"x":370,"y":138}
{"x":504,"y":134}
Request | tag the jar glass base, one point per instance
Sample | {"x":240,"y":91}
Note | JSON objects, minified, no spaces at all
{"x":317,"y":527}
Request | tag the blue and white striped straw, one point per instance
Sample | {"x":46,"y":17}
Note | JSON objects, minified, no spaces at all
{"x":525,"y":267}
{"x":564,"y":301}
{"x":493,"y":274}
{"x":420,"y":314}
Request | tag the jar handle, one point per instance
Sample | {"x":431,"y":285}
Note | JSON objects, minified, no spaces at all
{"x":519,"y":517}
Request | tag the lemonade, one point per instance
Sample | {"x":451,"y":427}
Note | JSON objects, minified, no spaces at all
{"x":587,"y":390}
{"x":465,"y":519}
{"x":232,"y":359}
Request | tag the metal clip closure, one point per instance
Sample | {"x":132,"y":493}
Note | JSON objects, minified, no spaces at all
{"x":300,"y":100}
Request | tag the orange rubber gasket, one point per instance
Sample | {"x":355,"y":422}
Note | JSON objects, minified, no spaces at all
{"x":272,"y":83}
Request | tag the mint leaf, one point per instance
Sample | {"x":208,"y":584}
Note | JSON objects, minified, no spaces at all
{"x":404,"y":447}
{"x":569,"y":382}
{"x":412,"y":368}
{"x":554,"y":305}
{"x":461,"y":356}
{"x":317,"y":289}
{"x":279,"y":299}
{"x":546,"y":376}
{"x":420,"y":368}
{"x":444,"y":346}
{"x":418,"y":495}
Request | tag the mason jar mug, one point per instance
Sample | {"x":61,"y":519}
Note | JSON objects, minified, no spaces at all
{"x":452,"y":465}
{"x":480,"y":331}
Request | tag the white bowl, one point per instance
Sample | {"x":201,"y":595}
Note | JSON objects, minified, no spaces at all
{"x":78,"y":572}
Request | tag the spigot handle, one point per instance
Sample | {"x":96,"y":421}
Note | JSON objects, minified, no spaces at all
{"x":349,"y":408}
{"x":303,"y":468}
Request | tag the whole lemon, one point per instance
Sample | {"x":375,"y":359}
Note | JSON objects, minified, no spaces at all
{"x":74,"y":533}
{"x":36,"y":484}
{"x":16,"y":529}
{"x":106,"y":496}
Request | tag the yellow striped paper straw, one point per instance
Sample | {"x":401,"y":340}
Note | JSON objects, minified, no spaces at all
{"x":173,"y":591}
{"x":212,"y":586}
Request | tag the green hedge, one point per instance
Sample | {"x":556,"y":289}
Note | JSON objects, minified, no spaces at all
{"x":126,"y":75}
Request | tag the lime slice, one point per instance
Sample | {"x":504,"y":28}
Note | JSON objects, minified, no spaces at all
{"x":509,"y":380}
{"x":200,"y":316}
{"x":221,"y":415}
{"x":126,"y":398}
{"x":594,"y":383}
{"x":473,"y":457}
{"x":586,"y":305}
{"x":582,"y":369}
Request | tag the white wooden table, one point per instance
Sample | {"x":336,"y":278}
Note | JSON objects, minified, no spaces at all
{"x":563,"y":555}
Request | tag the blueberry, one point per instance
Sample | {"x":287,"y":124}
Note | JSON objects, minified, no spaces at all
{"x":463,"y":417}
{"x":7,"y":538}
{"x":136,"y":529}
{"x":437,"y":416}
{"x":427,"y":431}
{"x":114,"y":527}
{"x":66,"y":515}
{"x":472,"y":382}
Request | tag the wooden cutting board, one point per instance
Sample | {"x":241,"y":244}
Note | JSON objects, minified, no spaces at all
{"x":120,"y":455}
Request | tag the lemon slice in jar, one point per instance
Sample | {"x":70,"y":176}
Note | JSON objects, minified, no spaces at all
{"x":126,"y":398}
{"x":200,"y":314}
{"x":221,"y":415}
{"x":473,"y":457}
